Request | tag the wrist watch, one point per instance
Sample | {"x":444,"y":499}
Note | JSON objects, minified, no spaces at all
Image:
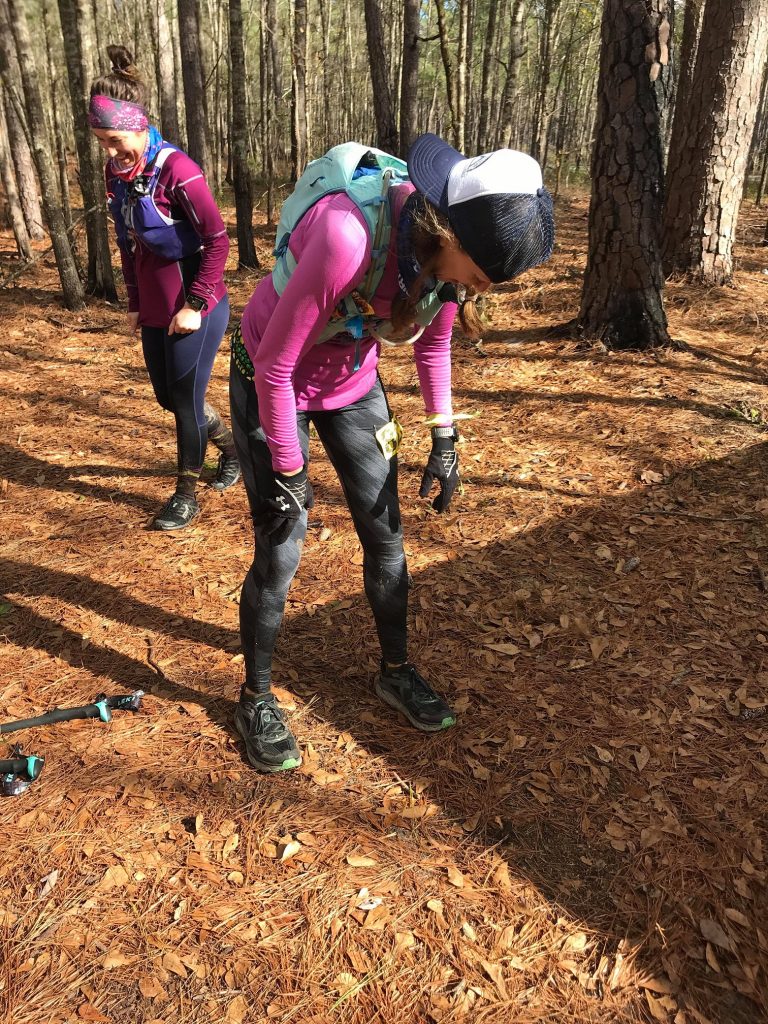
{"x":450,"y":432}
{"x":196,"y":303}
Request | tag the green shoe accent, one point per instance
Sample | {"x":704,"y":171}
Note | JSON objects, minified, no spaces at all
{"x":407,"y":691}
{"x":269,"y":743}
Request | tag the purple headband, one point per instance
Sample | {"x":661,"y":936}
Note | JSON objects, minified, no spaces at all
{"x":120,"y":115}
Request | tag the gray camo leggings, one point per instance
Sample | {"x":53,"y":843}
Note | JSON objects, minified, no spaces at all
{"x":369,"y":483}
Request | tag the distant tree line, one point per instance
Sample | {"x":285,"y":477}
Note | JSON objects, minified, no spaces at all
{"x":660,"y":105}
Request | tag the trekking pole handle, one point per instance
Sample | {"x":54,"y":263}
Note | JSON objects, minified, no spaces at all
{"x":126,"y":702}
{"x":31,"y":766}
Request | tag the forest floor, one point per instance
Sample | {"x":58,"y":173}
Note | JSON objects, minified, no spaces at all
{"x":587,"y":845}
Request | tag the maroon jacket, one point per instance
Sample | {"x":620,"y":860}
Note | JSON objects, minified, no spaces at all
{"x":156,"y":288}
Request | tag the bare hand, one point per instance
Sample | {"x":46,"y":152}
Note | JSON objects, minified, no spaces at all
{"x":133,"y":322}
{"x":186,"y":321}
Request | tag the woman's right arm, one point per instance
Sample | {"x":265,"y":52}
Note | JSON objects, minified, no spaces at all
{"x":333,"y":252}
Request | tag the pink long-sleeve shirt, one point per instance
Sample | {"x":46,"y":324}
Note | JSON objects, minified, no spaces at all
{"x":154,"y":285}
{"x":333,"y":251}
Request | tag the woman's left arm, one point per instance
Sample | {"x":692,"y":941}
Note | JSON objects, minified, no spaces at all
{"x":189,"y":189}
{"x":433,"y":364}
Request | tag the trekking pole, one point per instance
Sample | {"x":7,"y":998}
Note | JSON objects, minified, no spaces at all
{"x":101,"y":708}
{"x":18,"y":772}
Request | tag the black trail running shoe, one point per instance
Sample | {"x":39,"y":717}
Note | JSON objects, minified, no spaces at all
{"x":177,"y":513}
{"x":227,"y":473}
{"x":269,"y":743}
{"x":407,"y":691}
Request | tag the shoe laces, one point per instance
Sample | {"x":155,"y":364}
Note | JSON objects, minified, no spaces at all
{"x":266,"y":719}
{"x":417,"y":684}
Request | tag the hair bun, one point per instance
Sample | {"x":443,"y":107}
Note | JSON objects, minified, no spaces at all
{"x":122,"y":61}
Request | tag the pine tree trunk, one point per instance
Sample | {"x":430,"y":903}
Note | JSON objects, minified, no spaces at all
{"x":14,"y":28}
{"x":482,"y":141}
{"x":622,"y":296}
{"x":166,"y":83}
{"x":445,"y":53}
{"x":689,"y":45}
{"x":506,"y":129}
{"x":267,"y":108}
{"x":178,"y":82}
{"x":241,"y":173}
{"x":77,"y":30}
{"x":21,"y":154}
{"x":409,"y":81}
{"x":386,"y":129}
{"x":192,"y":74}
{"x":460,"y":123}
{"x":709,"y":151}
{"x":15,"y":213}
{"x":299,"y":93}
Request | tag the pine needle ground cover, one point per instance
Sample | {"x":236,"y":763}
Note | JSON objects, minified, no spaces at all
{"x":587,"y":845}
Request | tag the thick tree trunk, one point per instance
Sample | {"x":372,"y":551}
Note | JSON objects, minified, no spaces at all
{"x":482,"y":141}
{"x":166,"y":81}
{"x":409,"y":81}
{"x":192,"y":74}
{"x":506,"y":130}
{"x":709,"y":151}
{"x":55,"y":117}
{"x":77,"y":30}
{"x":14,"y":28}
{"x":241,"y":173}
{"x":15,"y":213}
{"x":386,"y":129}
{"x":689,"y":45}
{"x":21,"y":154}
{"x":622,"y":297}
{"x":299,"y":94}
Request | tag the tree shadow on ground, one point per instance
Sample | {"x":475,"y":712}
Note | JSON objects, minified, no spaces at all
{"x":595,"y":750}
{"x":513,"y":396}
{"x":23,"y":468}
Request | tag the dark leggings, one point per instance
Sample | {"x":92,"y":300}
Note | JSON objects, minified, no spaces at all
{"x":369,"y":483}
{"x":179,"y":367}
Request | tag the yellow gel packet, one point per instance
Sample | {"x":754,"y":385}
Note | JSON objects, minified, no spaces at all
{"x":388,"y":438}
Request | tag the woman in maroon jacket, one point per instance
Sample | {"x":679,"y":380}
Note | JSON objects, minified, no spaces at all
{"x":173,"y":246}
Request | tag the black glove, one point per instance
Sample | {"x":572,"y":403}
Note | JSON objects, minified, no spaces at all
{"x":443,"y":466}
{"x":279,"y":513}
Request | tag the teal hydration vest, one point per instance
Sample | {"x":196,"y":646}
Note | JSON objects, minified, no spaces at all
{"x":365,"y":175}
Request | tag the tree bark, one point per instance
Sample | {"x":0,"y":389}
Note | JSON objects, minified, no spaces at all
{"x":55,"y":118}
{"x":689,"y":45}
{"x":241,"y":172}
{"x":409,"y":80}
{"x":192,"y":74}
{"x":299,"y":94}
{"x":15,"y":212}
{"x":482,"y":141}
{"x":166,"y":83}
{"x":622,"y":296}
{"x":709,"y":151}
{"x":445,"y":53}
{"x":516,"y":53}
{"x":459,"y":128}
{"x":77,"y":31}
{"x":386,"y":128}
{"x":21,"y":154}
{"x":14,"y":28}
